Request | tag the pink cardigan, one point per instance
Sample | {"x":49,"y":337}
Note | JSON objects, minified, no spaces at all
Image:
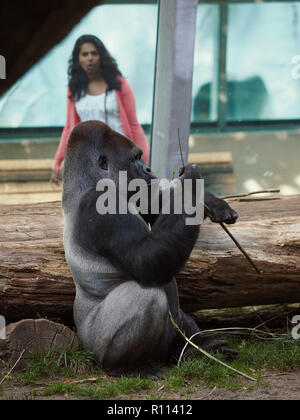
{"x":127,"y":109}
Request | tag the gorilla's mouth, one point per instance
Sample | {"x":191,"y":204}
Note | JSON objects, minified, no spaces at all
{"x":151,"y":177}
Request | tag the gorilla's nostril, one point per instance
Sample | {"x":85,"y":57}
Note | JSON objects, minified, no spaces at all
{"x":147,"y":169}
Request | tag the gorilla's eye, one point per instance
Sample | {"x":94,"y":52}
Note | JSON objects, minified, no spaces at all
{"x":103,"y":163}
{"x":138,"y":156}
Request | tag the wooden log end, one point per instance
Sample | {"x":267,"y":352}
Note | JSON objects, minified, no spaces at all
{"x":36,"y":337}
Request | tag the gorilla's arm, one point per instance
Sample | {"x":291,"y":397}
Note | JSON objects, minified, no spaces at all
{"x":150,"y":257}
{"x":215,"y":208}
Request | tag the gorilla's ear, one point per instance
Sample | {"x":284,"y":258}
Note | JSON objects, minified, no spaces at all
{"x":103,"y":163}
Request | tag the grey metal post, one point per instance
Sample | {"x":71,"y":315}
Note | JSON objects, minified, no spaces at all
{"x":2,"y":67}
{"x":223,"y":98}
{"x":173,"y":84}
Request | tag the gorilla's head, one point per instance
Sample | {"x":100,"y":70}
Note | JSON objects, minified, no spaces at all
{"x":95,"y":152}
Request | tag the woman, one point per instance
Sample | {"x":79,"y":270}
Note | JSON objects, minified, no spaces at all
{"x":97,"y":91}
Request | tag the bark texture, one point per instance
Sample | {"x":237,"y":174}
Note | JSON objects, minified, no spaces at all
{"x":35,"y":279}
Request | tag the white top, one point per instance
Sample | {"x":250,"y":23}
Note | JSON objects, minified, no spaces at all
{"x":91,"y":107}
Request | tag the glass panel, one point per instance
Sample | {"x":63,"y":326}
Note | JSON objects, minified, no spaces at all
{"x":262,"y":75}
{"x":128,"y":32}
{"x":205,"y":77}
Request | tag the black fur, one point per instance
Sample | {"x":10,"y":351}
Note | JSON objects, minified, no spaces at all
{"x":151,"y":258}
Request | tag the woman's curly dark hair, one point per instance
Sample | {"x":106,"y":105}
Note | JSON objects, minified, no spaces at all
{"x":78,"y":79}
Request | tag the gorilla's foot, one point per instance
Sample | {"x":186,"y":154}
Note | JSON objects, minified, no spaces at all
{"x":229,"y":352}
{"x":210,"y":344}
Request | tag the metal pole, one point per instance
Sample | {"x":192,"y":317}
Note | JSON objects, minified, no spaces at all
{"x":173,"y":84}
{"x":223,"y":98}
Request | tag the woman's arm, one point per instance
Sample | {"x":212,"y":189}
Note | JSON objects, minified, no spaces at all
{"x":71,"y":120}
{"x":128,"y":101}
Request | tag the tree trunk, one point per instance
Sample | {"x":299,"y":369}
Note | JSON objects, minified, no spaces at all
{"x":35,"y":279}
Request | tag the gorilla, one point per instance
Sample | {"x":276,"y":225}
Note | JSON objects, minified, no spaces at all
{"x":123,"y":271}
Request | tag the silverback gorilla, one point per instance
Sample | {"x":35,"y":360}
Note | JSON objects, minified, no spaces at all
{"x":123,"y":271}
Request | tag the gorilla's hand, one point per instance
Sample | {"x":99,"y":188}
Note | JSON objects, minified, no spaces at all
{"x":54,"y":180}
{"x":190,"y":172}
{"x":218,"y":210}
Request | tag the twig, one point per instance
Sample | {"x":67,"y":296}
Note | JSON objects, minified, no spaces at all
{"x":203,"y":332}
{"x":68,"y":381}
{"x":222,"y":224}
{"x":227,"y":329}
{"x":209,"y":394}
{"x":179,"y":141}
{"x":7,"y":375}
{"x":236,"y":243}
{"x":207,"y":354}
{"x":276,"y":374}
{"x":225,"y":197}
{"x":81,"y":381}
{"x":271,"y":319}
{"x":241,"y":248}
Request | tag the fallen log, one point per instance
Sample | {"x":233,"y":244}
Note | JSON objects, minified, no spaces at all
{"x":217,"y":275}
{"x":266,"y":318}
{"x":35,"y":279}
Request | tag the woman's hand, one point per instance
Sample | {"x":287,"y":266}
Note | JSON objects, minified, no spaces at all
{"x":54,"y":180}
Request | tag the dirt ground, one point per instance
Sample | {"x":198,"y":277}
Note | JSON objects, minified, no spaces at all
{"x":282,"y":386}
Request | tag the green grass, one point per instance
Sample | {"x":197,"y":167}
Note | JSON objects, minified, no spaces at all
{"x":280,"y":355}
{"x":256,"y":356}
{"x":102,"y":389}
{"x":68,"y":364}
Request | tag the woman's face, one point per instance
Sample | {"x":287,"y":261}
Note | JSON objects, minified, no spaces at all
{"x":89,"y":58}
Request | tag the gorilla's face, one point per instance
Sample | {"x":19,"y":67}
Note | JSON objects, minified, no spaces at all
{"x":117,"y":153}
{"x":95,"y":152}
